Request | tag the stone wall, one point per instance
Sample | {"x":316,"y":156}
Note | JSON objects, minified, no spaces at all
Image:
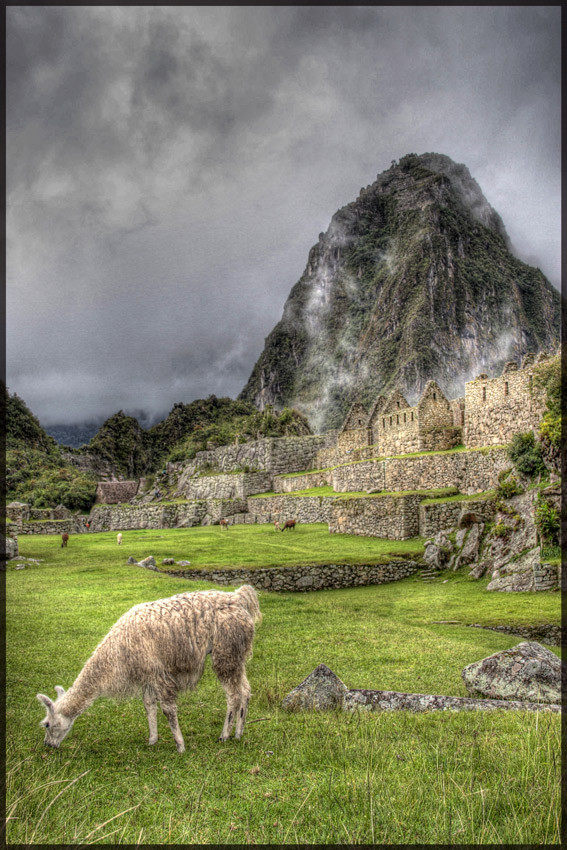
{"x":159,"y":515}
{"x":18,"y":512}
{"x":439,"y":516}
{"x":393,"y":517}
{"x":305,"y":578}
{"x":547,"y":577}
{"x":52,"y":526}
{"x":498,"y":408}
{"x":113,"y":492}
{"x":470,"y":471}
{"x":224,"y":486}
{"x":302,"y":482}
{"x":330,"y":457}
{"x":458,"y":411}
{"x":353,"y":439}
{"x":281,"y":508}
{"x":275,"y":455}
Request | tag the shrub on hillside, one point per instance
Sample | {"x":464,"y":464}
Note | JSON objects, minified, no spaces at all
{"x":525,"y":454}
{"x":547,"y":522}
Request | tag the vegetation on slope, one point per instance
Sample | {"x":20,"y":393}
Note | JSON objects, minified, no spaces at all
{"x":36,"y":472}
{"x":39,"y":472}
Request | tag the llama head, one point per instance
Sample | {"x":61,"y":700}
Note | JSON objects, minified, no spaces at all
{"x":57,"y":725}
{"x":250,"y":601}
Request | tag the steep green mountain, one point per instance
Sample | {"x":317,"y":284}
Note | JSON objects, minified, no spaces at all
{"x":44,"y":474}
{"x":36,"y":470}
{"x":413,"y":280}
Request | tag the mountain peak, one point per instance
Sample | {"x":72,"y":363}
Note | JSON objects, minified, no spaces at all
{"x":414,"y":280}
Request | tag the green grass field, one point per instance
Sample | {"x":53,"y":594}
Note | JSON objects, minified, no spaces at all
{"x":396,"y":778}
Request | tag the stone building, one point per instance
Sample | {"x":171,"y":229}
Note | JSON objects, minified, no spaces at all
{"x":354,"y":432}
{"x":393,"y":427}
{"x":497,"y":408}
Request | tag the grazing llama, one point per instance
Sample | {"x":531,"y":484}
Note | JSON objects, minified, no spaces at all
{"x":159,"y":649}
{"x":290,"y":523}
{"x":223,"y":523}
{"x":276,"y":526}
{"x":64,"y":540}
{"x":119,"y":538}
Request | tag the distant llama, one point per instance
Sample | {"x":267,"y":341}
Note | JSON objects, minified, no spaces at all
{"x":64,"y":540}
{"x":159,"y":649}
{"x":119,"y":538}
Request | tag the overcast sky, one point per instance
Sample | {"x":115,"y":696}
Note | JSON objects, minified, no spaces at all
{"x":170,"y":167}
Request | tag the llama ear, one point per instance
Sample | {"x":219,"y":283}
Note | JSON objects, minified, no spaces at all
{"x":46,"y":701}
{"x":59,"y":690}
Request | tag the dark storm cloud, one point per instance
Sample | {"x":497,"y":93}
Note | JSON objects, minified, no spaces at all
{"x":170,"y":167}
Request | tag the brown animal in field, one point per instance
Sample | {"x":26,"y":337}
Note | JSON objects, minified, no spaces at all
{"x":276,"y":526}
{"x":289,"y":523}
{"x":64,"y":540}
{"x":158,"y":649}
{"x":223,"y":523}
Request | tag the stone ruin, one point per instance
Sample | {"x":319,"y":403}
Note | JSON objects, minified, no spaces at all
{"x":491,"y":412}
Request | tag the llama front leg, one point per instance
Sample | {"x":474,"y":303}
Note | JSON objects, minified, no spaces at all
{"x":150,"y":704}
{"x":170,"y":711}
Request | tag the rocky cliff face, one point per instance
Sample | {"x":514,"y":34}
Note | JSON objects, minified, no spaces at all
{"x":413,"y":280}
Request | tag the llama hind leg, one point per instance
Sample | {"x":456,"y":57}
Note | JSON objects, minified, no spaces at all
{"x":243,"y":709}
{"x":167,"y":696}
{"x":170,"y":711}
{"x":232,"y":706}
{"x":150,"y":704}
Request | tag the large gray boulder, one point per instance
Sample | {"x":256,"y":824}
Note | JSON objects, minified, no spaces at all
{"x":149,"y":562}
{"x":8,"y":547}
{"x":517,"y":575}
{"x":321,"y":690}
{"x":528,"y":671}
{"x":437,"y":551}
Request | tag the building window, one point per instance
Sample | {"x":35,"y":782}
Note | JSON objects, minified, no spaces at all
{"x":398,"y":403}
{"x":404,"y":417}
{"x":383,"y":422}
{"x":397,"y":420}
{"x":412,"y":416}
{"x":390,"y":420}
{"x":434,"y":396}
{"x":505,"y":387}
{"x":462,"y":417}
{"x":484,"y":393}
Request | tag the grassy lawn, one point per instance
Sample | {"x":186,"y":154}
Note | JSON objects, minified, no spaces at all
{"x":327,"y":490}
{"x":460,"y":497}
{"x":396,"y":778}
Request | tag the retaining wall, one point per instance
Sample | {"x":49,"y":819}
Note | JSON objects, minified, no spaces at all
{"x":302,"y":482}
{"x":52,"y":526}
{"x":470,"y":471}
{"x":177,"y":515}
{"x":393,"y":517}
{"x":271,"y":454}
{"x":224,"y":486}
{"x":438,"y":516}
{"x":305,"y":578}
{"x":281,"y":508}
